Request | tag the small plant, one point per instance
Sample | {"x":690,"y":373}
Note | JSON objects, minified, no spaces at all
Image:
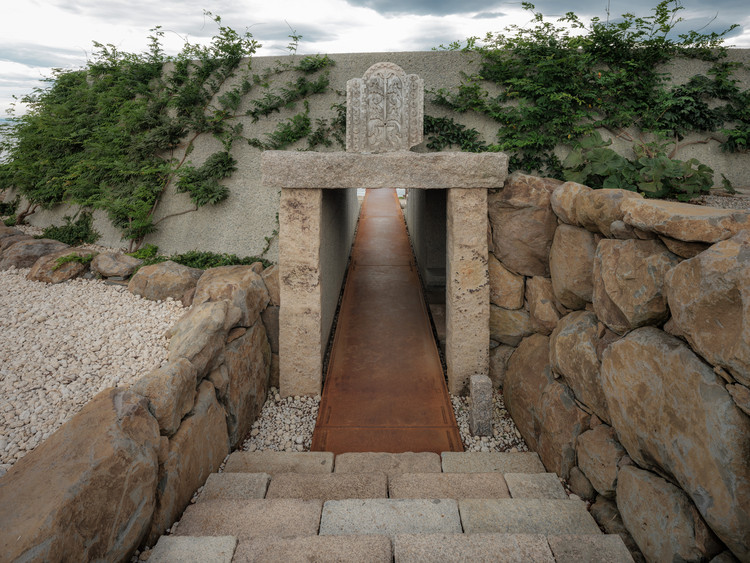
{"x":205,"y":260}
{"x":74,"y":233}
{"x":9,"y":208}
{"x":68,"y":258}
{"x":147,"y":251}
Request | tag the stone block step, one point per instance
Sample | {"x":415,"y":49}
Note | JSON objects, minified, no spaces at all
{"x":390,"y":517}
{"x":535,"y":485}
{"x":604,"y":548}
{"x":510,"y":548}
{"x":279,"y":462}
{"x":526,"y":516}
{"x":388,"y":463}
{"x":334,"y":549}
{"x":234,"y":486}
{"x":448,"y":485}
{"x":488,"y":462}
{"x":251,"y":518}
{"x":189,"y":549}
{"x":328,"y":486}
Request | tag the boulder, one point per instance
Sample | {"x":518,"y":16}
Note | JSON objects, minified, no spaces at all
{"x":599,"y":452}
{"x":10,"y":240}
{"x":563,"y":201}
{"x":499,"y":356}
{"x":629,"y":283}
{"x":509,"y":327}
{"x":741,"y":396}
{"x":86,"y":493}
{"x":571,"y":264}
{"x":271,"y":278}
{"x":709,"y":297}
{"x":46,"y":269}
{"x":240,"y":285}
{"x":683,"y":221}
{"x":662,"y":520}
{"x":506,"y":288}
{"x":270,"y":318}
{"x":6,"y":231}
{"x":114,"y":264}
{"x":673,"y":414}
{"x":608,"y":517}
{"x":580,"y":484}
{"x":684,"y":249}
{"x":573,"y":354}
{"x":162,"y":280}
{"x":542,"y":309}
{"x":523,"y":223}
{"x":24,"y":253}
{"x":598,"y":209}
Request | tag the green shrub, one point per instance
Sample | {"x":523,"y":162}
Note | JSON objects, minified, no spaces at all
{"x":74,"y":233}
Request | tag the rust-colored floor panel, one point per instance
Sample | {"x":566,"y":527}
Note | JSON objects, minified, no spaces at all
{"x":384,"y":390}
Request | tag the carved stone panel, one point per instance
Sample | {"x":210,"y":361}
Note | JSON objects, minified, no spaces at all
{"x":385,"y":110}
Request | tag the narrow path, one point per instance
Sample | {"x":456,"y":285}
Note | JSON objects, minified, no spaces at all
{"x":384,"y":390}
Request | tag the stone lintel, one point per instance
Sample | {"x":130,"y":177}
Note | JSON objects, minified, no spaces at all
{"x":400,"y":169}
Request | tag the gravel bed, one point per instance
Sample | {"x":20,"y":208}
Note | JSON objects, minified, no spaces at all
{"x":61,"y":344}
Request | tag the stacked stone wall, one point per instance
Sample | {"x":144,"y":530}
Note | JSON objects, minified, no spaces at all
{"x":620,"y":335}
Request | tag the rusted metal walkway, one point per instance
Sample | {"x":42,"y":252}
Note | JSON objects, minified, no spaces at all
{"x":384,"y":391}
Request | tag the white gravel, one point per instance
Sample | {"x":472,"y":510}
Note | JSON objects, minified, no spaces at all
{"x":61,"y":344}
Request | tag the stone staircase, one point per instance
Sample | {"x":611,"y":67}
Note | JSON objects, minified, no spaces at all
{"x":274,"y":506}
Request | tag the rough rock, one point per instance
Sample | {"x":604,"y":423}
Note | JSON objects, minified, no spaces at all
{"x":741,"y":396}
{"x":6,"y":231}
{"x":194,"y":452}
{"x":597,"y":209}
{"x":629,"y":283}
{"x":608,"y":517}
{"x":544,"y":314}
{"x":499,"y":362}
{"x":509,"y":327}
{"x":580,"y":484}
{"x":571,"y":264}
{"x":480,"y":405}
{"x":563,"y":201}
{"x":598,"y":455}
{"x":104,"y":457}
{"x":662,"y":520}
{"x":573,"y":354}
{"x":683,"y":221}
{"x":684,"y":249}
{"x":506,"y":288}
{"x":24,"y":253}
{"x":271,"y":278}
{"x":709,"y":297}
{"x":10,"y":240}
{"x":673,"y":413}
{"x":270,"y":317}
{"x":523,"y":223}
{"x":240,"y":285}
{"x":46,"y":270}
{"x":162,"y":280}
{"x":114,"y":264}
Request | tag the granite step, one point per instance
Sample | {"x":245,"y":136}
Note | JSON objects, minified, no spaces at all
{"x":279,"y":462}
{"x":374,"y":549}
{"x":328,"y":486}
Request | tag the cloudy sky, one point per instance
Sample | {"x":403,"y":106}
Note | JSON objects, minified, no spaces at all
{"x":38,"y":35}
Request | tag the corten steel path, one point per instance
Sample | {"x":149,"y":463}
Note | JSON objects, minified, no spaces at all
{"x":384,"y":391}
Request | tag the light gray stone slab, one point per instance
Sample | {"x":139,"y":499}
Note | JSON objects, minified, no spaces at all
{"x":234,"y":486}
{"x":390,"y":517}
{"x":388,"y":463}
{"x":448,"y":485}
{"x":526,"y":516}
{"x":375,"y":549}
{"x":436,"y":548}
{"x":251,"y":518}
{"x":187,"y":549}
{"x":487,"y":462}
{"x":279,"y":462}
{"x":604,"y":548}
{"x":535,"y":485}
{"x":330,"y":486}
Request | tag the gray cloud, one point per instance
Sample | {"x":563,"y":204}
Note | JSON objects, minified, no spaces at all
{"x":36,"y":55}
{"x":489,"y":15}
{"x":423,"y":7}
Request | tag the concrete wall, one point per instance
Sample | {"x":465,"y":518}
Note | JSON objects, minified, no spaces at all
{"x":425,"y":217}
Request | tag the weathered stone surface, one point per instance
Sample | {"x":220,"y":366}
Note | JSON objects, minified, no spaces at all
{"x":170,"y":392}
{"x":661,"y":518}
{"x":328,"y":486}
{"x":219,"y":549}
{"x":506,"y":288}
{"x":527,"y":377}
{"x":166,"y":279}
{"x":598,"y":454}
{"x":104,"y":457}
{"x":571,"y":264}
{"x":629,"y":283}
{"x":234,"y":486}
{"x":684,"y":249}
{"x":414,"y":548}
{"x":580,"y":484}
{"x":10,"y":240}
{"x":741,"y":396}
{"x":389,"y":463}
{"x":271,"y":278}
{"x":239,"y":285}
{"x":544,"y":314}
{"x":509,"y":327}
{"x":573,"y":354}
{"x":281,"y":462}
{"x":24,"y":253}
{"x":6,"y":231}
{"x":303,"y":549}
{"x":579,"y":548}
{"x":534,"y":485}
{"x":672,"y":412}
{"x":270,"y":317}
{"x":248,"y":361}
{"x":195,"y":451}
{"x":563,"y":201}
{"x":709,"y":297}
{"x":499,"y":356}
{"x":489,"y":462}
{"x":608,"y":517}
{"x":480,"y":405}
{"x":109,"y":264}
{"x":683,"y":221}
{"x":523,"y":223}
{"x":448,"y":485}
{"x":597,"y":209}
{"x":46,"y":269}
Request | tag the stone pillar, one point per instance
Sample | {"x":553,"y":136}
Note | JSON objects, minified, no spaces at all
{"x":467,"y":291}
{"x":300,"y":342}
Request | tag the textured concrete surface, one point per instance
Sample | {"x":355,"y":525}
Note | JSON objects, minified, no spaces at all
{"x":189,"y":549}
{"x":390,"y":517}
{"x":234,"y":486}
{"x":447,"y":548}
{"x":448,"y":485}
{"x":331,"y":486}
{"x":604,"y":548}
{"x":526,"y":516}
{"x":279,"y":462}
{"x":333,"y":549}
{"x":390,"y":464}
{"x":535,"y":485}
{"x":502,"y":462}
